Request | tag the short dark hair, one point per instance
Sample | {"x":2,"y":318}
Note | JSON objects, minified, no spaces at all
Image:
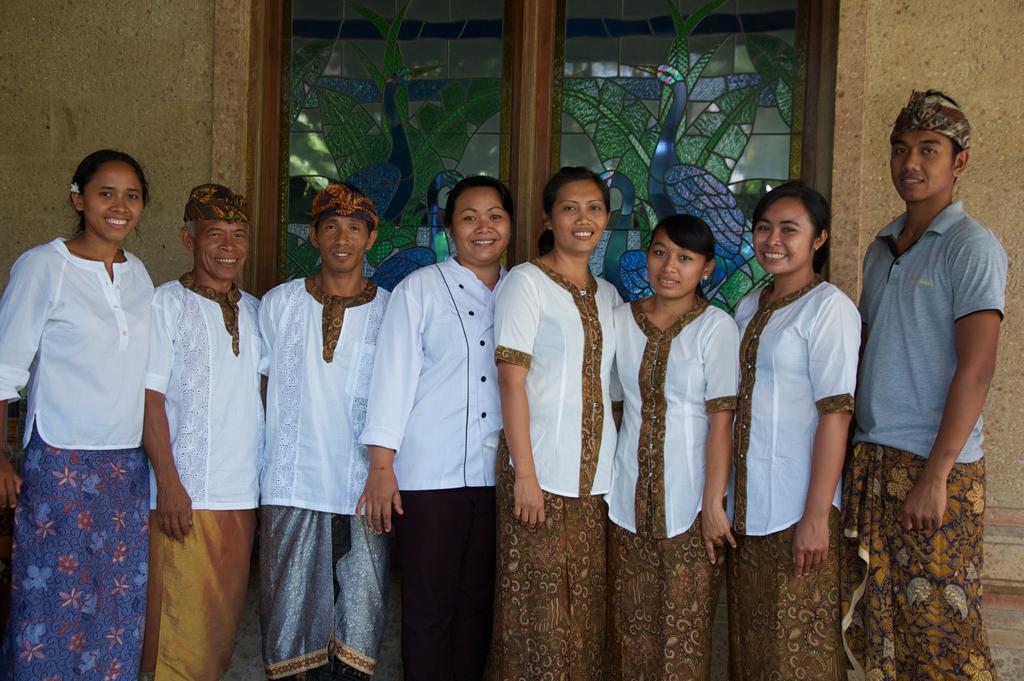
{"x":475,"y":182}
{"x":691,"y":233}
{"x":814,"y":203}
{"x":567,"y":175}
{"x":90,"y":165}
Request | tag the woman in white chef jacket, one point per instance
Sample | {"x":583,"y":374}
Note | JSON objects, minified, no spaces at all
{"x":431,"y":432}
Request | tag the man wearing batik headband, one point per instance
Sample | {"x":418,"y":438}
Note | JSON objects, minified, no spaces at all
{"x":322,"y":574}
{"x":203,"y":433}
{"x":932,"y":303}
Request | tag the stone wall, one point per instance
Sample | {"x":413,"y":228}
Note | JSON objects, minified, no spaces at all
{"x":80,"y":76}
{"x":970,"y":50}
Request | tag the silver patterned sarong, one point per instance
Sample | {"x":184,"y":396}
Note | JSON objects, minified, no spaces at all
{"x":323,"y":589}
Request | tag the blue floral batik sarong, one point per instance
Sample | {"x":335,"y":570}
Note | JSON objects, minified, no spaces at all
{"x":81,"y":536}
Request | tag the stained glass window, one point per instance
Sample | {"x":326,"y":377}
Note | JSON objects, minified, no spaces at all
{"x":688,"y":106}
{"x":400,"y":99}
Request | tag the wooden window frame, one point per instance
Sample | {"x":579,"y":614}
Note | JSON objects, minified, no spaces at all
{"x":533,"y":55}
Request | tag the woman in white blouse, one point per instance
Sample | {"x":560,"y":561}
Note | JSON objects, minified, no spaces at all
{"x":798,"y":369}
{"x":74,"y":328}
{"x":676,"y":360}
{"x":555,"y":344}
{"x":431,"y":432}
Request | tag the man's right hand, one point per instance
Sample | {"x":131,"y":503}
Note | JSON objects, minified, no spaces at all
{"x":379,"y":496}
{"x":174,"y":509}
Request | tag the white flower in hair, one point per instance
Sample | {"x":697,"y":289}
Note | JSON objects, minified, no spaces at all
{"x":74,"y":188}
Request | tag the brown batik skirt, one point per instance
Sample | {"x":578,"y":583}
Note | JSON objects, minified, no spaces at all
{"x":664,"y":593}
{"x":783,"y":627}
{"x":549,"y":611}
{"x":912,"y":598}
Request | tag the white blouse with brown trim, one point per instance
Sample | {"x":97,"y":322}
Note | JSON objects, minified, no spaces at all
{"x":565,"y":338}
{"x":671,"y":381}
{"x":798,"y":360}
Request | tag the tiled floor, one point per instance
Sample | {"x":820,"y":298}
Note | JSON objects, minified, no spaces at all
{"x":1004,"y":616}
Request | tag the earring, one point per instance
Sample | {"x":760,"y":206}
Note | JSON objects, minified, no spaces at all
{"x":705,"y":277}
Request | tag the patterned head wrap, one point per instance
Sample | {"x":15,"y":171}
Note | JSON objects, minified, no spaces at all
{"x":933,"y":112}
{"x":337,"y":199}
{"x":215,"y":202}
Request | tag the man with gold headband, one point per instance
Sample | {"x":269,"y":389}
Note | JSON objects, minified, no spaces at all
{"x":203,"y":433}
{"x":323,"y":575}
{"x":932,"y":304}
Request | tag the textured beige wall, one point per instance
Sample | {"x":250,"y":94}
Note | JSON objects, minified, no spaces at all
{"x":971,"y":50}
{"x":80,"y":76}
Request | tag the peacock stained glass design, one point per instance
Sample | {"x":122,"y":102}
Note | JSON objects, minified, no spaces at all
{"x":688,"y":107}
{"x":401,"y":100}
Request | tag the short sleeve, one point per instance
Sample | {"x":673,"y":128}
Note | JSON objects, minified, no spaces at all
{"x":977,"y":271}
{"x":28,"y":300}
{"x":720,"y":348}
{"x":164,"y":322}
{"x":397,"y":366}
{"x":516,"y":318}
{"x":833,"y":347}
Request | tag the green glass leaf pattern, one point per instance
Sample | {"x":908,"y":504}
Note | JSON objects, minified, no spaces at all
{"x":580,"y":100}
{"x":775,"y":61}
{"x":302,"y":260}
{"x":624,"y":128}
{"x":352,"y":135}
{"x":721,"y":132}
{"x":711,"y":141}
{"x":308,"y":63}
{"x":392,"y":53}
{"x":393,"y":238}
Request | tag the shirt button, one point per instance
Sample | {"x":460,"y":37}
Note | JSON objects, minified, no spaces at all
{"x":483,"y":379}
{"x":461,"y":286}
{"x":124,"y":333}
{"x":483,"y":415}
{"x":471,"y":313}
{"x":482,"y":343}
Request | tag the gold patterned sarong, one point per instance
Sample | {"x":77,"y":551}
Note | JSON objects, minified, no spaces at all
{"x":664,"y":593}
{"x":195,"y":596}
{"x":549,"y":612}
{"x":783,"y":627}
{"x":912,"y":598}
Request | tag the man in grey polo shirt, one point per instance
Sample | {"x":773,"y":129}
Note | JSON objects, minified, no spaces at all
{"x":932,"y":304}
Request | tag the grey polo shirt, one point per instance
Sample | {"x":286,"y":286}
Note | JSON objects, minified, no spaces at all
{"x":910,"y":305}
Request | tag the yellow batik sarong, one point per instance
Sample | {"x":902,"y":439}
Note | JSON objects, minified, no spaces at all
{"x":195,"y":596}
{"x":912,"y":598}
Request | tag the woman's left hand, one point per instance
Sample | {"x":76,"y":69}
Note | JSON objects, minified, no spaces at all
{"x":810,"y":545}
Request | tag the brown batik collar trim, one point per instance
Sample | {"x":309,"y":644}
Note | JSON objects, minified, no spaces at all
{"x":334,"y":311}
{"x":744,"y":401}
{"x":592,"y":425}
{"x":228,"y":304}
{"x":565,"y":283}
{"x":649,"y":498}
{"x":653,"y":332}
